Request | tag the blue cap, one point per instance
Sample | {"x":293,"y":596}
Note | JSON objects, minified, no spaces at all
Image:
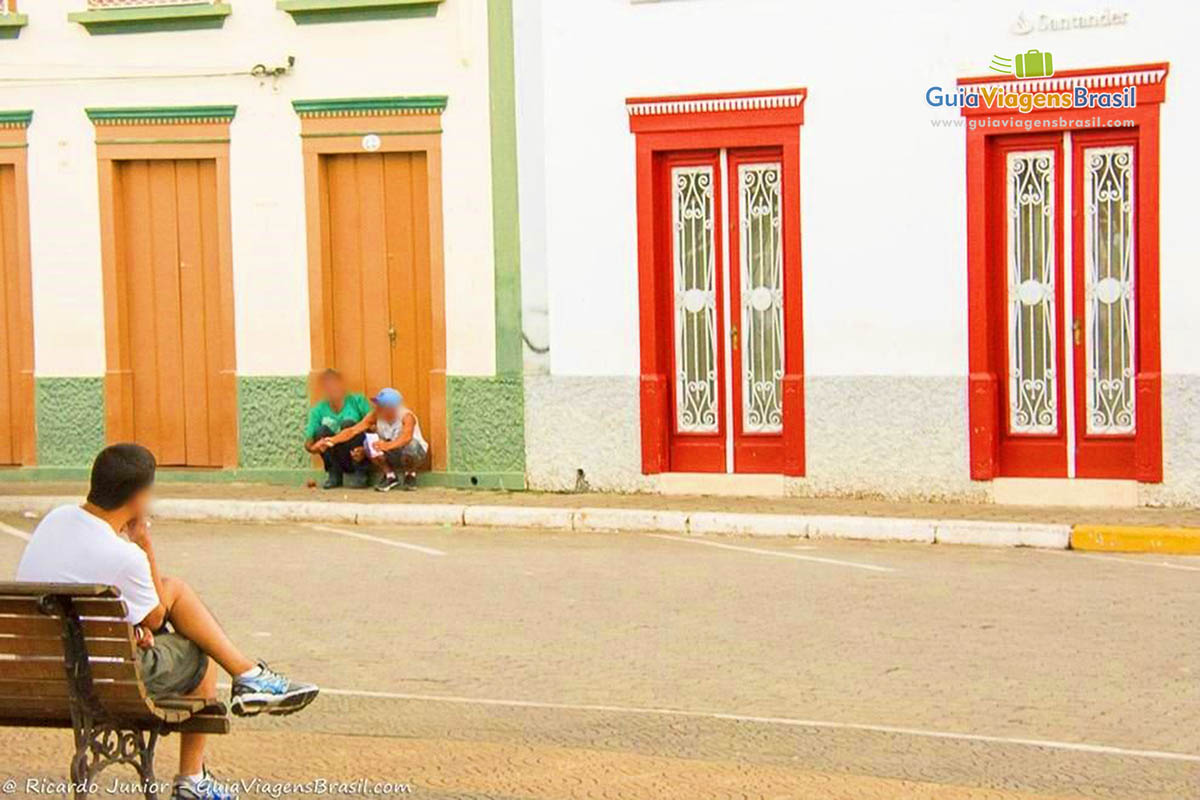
{"x":388,"y":398}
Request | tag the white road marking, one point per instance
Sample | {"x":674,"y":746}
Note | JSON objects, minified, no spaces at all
{"x":1077,"y":747}
{"x":366,"y":537}
{"x":777,"y":553}
{"x":11,"y":531}
{"x":1138,"y":562}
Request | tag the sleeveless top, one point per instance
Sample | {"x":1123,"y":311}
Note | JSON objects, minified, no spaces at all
{"x":389,"y":431}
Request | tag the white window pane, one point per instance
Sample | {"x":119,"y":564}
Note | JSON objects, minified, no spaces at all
{"x":761,"y":279}
{"x":1032,"y":367}
{"x":694,"y":256}
{"x":1108,"y":244}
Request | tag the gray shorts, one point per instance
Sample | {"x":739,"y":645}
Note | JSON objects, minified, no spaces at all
{"x":173,"y":666}
{"x":407,"y":458}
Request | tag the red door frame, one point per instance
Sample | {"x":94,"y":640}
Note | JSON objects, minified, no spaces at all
{"x":664,"y":125}
{"x":983,"y":124}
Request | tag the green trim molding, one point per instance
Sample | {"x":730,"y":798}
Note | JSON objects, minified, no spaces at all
{"x":70,"y":420}
{"x":506,"y":224}
{"x":307,"y":12}
{"x":370,"y":106}
{"x":11,"y":25}
{"x":271,"y":414}
{"x":485,"y":417}
{"x":149,"y":19}
{"x":152,"y":115}
{"x":15,"y":119}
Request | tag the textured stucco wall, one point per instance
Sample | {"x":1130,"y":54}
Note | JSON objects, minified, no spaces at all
{"x":70,"y":420}
{"x":588,"y":423}
{"x":879,"y":436}
{"x":1181,"y":444}
{"x":889,"y":436}
{"x":271,"y":416}
{"x":484,"y":416}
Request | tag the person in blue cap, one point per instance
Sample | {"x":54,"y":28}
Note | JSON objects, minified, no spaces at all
{"x":392,"y":439}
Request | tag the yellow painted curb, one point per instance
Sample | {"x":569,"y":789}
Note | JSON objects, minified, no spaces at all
{"x":1136,"y":539}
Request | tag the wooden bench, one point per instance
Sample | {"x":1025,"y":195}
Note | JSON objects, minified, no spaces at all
{"x":68,"y":659}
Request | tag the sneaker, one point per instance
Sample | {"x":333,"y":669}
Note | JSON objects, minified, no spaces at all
{"x":204,"y":788}
{"x":388,"y":483}
{"x":271,"y":692}
{"x":333,"y":479}
{"x":410,"y":481}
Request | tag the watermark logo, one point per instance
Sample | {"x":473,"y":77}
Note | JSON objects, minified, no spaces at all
{"x":1032,"y":63}
{"x":1024,"y":98}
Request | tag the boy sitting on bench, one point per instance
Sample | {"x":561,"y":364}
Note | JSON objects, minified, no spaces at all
{"x":107,"y":541}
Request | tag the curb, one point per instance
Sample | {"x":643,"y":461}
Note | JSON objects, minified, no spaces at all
{"x":1132,"y":539}
{"x":895,"y":529}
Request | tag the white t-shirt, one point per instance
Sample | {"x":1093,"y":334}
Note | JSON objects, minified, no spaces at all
{"x":70,"y":545}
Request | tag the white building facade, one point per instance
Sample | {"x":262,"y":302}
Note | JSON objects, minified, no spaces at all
{"x":760,"y":245}
{"x":207,"y":203}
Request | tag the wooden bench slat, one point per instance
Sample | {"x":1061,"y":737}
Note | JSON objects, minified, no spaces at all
{"x":52,"y":626}
{"x":22,"y":588}
{"x":52,"y":646}
{"x":49,"y":668}
{"x":117,"y":691}
{"x":113,"y":608}
{"x":34,"y":688}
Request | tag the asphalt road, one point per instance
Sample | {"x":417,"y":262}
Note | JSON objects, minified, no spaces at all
{"x":511,"y":664}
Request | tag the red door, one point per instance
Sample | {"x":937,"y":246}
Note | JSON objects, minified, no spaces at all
{"x":724,"y":313}
{"x":1064,"y":321}
{"x":1105,"y":300}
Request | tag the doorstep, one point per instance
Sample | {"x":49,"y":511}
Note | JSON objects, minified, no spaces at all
{"x":721,"y":484}
{"x":1069,"y":492}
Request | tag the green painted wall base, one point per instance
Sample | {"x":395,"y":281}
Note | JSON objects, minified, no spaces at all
{"x":70,"y":420}
{"x":307,"y":12}
{"x":486,"y":421}
{"x":146,"y":19}
{"x":271,"y":414}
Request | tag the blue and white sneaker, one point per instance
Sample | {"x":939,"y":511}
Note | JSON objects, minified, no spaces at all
{"x":204,"y":788}
{"x":271,"y":692}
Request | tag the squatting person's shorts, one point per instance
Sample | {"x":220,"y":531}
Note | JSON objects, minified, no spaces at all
{"x":173,"y":666}
{"x":409,"y":457}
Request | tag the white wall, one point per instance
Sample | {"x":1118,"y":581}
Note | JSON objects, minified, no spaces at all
{"x":446,"y":54}
{"x":883,"y":196}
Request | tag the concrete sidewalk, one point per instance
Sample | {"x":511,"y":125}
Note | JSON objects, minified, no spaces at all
{"x":1124,"y":530}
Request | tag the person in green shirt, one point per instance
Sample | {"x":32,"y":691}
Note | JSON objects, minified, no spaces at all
{"x":338,"y":409}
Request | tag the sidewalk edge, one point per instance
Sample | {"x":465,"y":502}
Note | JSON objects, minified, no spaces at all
{"x":619,"y":520}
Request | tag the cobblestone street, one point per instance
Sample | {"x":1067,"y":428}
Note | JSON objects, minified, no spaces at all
{"x":511,"y":664}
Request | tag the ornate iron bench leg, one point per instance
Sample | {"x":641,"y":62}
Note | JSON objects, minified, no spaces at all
{"x":98,"y":747}
{"x":146,"y":767}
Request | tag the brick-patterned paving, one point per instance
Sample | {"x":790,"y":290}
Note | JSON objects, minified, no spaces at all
{"x":1011,"y":643}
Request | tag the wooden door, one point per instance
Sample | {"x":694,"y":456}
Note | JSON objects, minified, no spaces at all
{"x":758,"y":306}
{"x":167,"y":240}
{"x":11,"y":335}
{"x":375,"y":231}
{"x":1107,"y":347}
{"x":724,"y":312}
{"x":1025,"y":257}
{"x":693,"y":316}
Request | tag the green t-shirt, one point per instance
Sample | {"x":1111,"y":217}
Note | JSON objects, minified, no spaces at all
{"x":354,"y":408}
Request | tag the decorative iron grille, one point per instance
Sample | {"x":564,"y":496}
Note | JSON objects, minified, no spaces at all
{"x":761,"y":280}
{"x":1108,"y":255}
{"x":1032,"y":353}
{"x":695,"y":267}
